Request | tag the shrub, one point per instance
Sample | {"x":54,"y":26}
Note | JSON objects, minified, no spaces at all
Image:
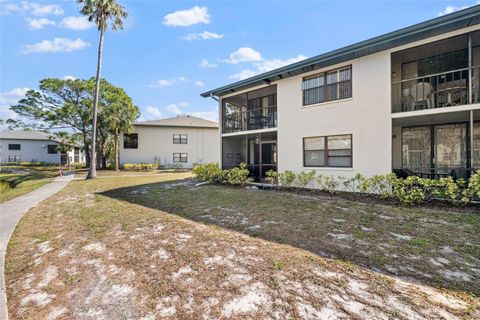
{"x":238,"y":175}
{"x":273,"y":177}
{"x":286,"y":178}
{"x":473,"y":188}
{"x":305,"y":179}
{"x":139,"y":166}
{"x":209,"y":172}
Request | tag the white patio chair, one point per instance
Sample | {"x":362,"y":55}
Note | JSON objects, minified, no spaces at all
{"x":421,"y":93}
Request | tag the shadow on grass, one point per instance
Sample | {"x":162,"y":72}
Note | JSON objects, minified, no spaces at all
{"x":437,"y":248}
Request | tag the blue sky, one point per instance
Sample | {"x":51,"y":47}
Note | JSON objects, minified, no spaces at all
{"x":171,"y":51}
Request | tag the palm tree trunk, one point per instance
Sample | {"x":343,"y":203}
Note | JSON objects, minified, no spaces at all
{"x":117,"y":143}
{"x":92,"y":171}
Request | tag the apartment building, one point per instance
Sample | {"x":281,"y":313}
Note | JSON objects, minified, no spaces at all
{"x":181,"y":141}
{"x":407,"y":101}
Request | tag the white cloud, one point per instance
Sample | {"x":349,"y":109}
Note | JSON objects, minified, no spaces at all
{"x":153,"y":112}
{"x":244,"y":54}
{"x":206,"y":64}
{"x":12,"y":96}
{"x":167,"y":82}
{"x":56,"y":45}
{"x":9,"y":98}
{"x":209,"y":115}
{"x":266,"y":65}
{"x":76,"y":23}
{"x":39,"y":23}
{"x":175,"y":109}
{"x":205,"y":35}
{"x":185,"y":18}
{"x":161,"y":83}
{"x":451,"y":9}
{"x":244,"y":74}
{"x":68,"y":77}
{"x":199,"y":84}
{"x":33,"y":8}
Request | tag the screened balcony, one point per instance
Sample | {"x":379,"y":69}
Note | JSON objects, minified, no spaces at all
{"x":437,"y":75}
{"x":250,"y":111}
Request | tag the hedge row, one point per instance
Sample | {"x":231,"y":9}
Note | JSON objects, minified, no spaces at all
{"x":410,"y":191}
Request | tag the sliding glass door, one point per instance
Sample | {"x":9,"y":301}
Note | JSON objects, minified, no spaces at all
{"x":416,"y":148}
{"x":450,"y":147}
{"x":438,"y":148}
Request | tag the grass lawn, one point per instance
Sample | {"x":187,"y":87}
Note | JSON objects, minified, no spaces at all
{"x":157,"y":247}
{"x":19,"y":180}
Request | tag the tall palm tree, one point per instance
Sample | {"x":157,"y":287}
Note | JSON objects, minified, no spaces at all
{"x":66,"y":142}
{"x":102,"y":13}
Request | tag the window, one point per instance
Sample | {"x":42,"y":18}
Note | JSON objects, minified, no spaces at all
{"x":327,"y":86}
{"x":13,"y":146}
{"x":180,"y":139}
{"x":14,"y":159}
{"x":130,"y":140}
{"x":52,"y":149}
{"x":180,"y":157}
{"x":329,"y":151}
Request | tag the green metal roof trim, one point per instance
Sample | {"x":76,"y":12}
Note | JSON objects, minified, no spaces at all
{"x":451,"y":22}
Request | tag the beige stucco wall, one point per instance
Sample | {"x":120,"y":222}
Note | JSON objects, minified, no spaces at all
{"x":366,"y":116}
{"x":154,"y":141}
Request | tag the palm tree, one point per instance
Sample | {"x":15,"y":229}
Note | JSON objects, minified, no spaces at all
{"x":103,"y":13}
{"x":66,"y":143}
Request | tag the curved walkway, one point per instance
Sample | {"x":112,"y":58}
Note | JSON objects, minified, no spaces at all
{"x":10,"y":212}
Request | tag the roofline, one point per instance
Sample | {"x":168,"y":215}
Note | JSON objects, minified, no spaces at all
{"x":363,"y":48}
{"x":174,"y":126}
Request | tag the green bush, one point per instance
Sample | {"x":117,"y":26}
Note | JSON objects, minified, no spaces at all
{"x":472,"y":190}
{"x":139,"y":166}
{"x":305,"y":179}
{"x":238,"y":175}
{"x":209,"y":172}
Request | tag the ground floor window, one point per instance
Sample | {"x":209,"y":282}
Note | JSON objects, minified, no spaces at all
{"x":180,"y":157}
{"x":328,"y":151}
{"x":52,"y":149}
{"x":130,"y":140}
{"x":14,"y":159}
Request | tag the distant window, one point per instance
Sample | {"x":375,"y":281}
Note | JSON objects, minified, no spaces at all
{"x":14,"y":146}
{"x":179,"y":139}
{"x":327,"y":86}
{"x":14,"y":159}
{"x":180,"y":157}
{"x":52,"y":149}
{"x":329,"y":151}
{"x":130,"y":140}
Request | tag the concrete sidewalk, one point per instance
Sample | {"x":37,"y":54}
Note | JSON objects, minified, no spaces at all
{"x":10,"y":212}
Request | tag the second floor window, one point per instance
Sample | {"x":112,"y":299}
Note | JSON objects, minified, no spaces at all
{"x":180,"y":157}
{"x":52,"y":149}
{"x":130,"y":140}
{"x":180,"y":139}
{"x":327,"y":86}
{"x":14,"y":146}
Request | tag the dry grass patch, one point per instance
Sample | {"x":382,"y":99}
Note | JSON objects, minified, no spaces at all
{"x":122,"y":248}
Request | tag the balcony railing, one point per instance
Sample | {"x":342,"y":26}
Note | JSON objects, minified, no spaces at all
{"x":440,"y":90}
{"x":262,"y":118}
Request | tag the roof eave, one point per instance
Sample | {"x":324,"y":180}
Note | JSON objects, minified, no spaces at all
{"x":405,"y":33}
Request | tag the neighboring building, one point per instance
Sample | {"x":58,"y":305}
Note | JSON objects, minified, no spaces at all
{"x":180,"y":141}
{"x":35,"y":146}
{"x":407,"y":101}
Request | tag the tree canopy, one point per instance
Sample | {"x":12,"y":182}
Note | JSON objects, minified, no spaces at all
{"x":67,"y":104}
